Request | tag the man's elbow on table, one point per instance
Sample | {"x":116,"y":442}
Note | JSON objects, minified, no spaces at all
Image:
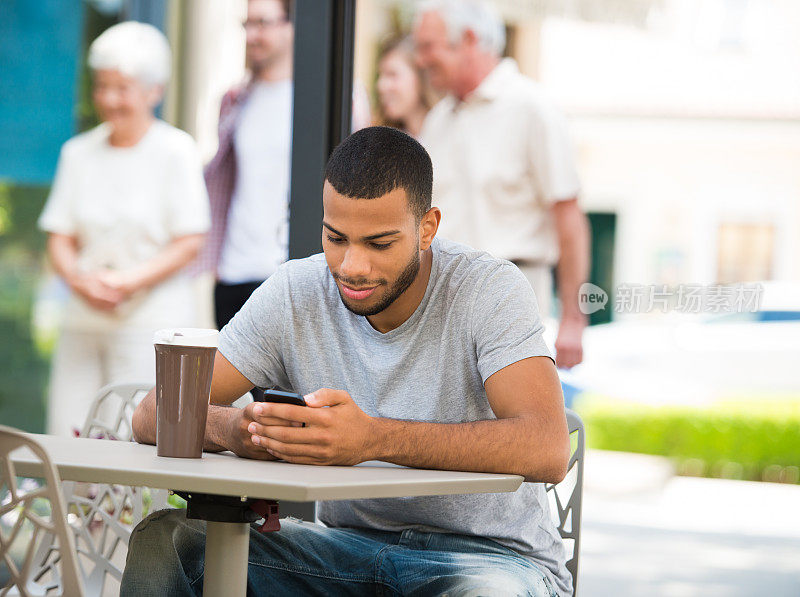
{"x":143,"y":420}
{"x":551,"y":464}
{"x":560,"y":464}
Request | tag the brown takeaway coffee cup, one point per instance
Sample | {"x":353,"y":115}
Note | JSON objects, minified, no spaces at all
{"x":184,"y":365}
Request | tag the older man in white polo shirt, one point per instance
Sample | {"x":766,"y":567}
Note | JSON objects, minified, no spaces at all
{"x":504,"y":171}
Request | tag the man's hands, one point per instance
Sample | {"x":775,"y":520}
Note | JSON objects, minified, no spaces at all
{"x":336,"y":430}
{"x":236,"y":436}
{"x":340,"y":434}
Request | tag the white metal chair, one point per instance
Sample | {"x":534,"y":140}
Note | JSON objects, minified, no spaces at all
{"x":104,"y":515}
{"x":111,"y":412}
{"x":27,"y":514}
{"x":566,"y":497}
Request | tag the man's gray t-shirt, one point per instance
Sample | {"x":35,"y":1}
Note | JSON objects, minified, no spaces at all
{"x":478,"y":315}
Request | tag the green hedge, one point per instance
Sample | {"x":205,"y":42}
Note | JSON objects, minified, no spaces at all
{"x":742,"y":439}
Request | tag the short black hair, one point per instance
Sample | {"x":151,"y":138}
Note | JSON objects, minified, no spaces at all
{"x":378,"y":159}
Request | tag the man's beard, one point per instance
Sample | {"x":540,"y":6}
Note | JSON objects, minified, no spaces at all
{"x":406,"y":278}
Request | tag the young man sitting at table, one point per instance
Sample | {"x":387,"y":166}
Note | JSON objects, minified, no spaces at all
{"x":427,"y":354}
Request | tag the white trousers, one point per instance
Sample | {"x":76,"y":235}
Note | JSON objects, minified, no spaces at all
{"x":86,"y":361}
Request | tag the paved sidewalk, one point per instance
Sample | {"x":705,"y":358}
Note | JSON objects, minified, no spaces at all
{"x":648,"y":533}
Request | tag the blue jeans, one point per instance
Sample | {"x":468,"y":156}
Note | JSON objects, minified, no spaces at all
{"x":166,"y":552}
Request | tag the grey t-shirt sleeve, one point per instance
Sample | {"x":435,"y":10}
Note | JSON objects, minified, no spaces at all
{"x":252,"y":341}
{"x":506,"y":326}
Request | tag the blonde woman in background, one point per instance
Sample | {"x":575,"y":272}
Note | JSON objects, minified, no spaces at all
{"x":404,"y":96}
{"x":127,"y":211}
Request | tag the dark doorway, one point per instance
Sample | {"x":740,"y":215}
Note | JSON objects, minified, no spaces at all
{"x":604,"y":231}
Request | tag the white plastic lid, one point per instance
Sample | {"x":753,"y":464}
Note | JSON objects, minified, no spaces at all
{"x":187,"y":337}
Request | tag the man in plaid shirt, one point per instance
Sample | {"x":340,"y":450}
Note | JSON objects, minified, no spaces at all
{"x":248,"y":178}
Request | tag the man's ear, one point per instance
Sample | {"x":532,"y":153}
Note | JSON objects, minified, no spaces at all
{"x":428,"y":226}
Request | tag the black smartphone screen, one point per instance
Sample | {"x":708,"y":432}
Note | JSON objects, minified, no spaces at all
{"x":284,"y":397}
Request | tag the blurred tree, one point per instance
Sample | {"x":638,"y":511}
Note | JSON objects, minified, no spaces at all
{"x":23,"y":369}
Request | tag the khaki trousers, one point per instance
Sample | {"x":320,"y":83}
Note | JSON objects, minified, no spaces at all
{"x":541,"y":280}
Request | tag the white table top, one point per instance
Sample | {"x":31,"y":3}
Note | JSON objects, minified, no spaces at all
{"x":129,"y":463}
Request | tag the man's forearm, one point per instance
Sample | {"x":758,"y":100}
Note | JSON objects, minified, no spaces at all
{"x":515,"y":445}
{"x":144,"y":424}
{"x":573,"y":263}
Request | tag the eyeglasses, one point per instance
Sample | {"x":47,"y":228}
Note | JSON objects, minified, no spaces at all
{"x":263,"y":23}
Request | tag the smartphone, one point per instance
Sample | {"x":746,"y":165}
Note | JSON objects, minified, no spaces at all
{"x":284,"y":397}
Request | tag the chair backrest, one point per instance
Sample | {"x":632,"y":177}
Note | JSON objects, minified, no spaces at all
{"x":30,"y":509}
{"x":105,"y":515}
{"x":111,"y":412}
{"x":567,"y":496}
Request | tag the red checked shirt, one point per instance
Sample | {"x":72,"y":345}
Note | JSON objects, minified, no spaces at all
{"x":220,"y":177}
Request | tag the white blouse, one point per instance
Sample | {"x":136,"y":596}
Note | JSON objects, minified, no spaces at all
{"x":125,"y":205}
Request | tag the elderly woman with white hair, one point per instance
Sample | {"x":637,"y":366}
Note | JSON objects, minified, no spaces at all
{"x":127,"y":211}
